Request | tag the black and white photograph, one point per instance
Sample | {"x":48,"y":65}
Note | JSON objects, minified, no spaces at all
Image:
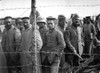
{"x":49,"y":36}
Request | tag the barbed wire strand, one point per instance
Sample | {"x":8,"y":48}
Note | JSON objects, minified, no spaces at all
{"x":55,"y":52}
{"x":23,"y":12}
{"x":34,"y":65}
{"x":53,"y":6}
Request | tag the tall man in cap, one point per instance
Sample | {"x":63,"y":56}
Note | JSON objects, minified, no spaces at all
{"x":71,"y":40}
{"x":31,"y":40}
{"x":10,"y":43}
{"x":53,"y":46}
{"x":61,"y":27}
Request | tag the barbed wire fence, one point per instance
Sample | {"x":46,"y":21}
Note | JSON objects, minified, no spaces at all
{"x":44,"y":12}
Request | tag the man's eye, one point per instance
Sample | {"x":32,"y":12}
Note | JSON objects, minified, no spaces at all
{"x":24,"y":22}
{"x":49,"y":23}
{"x":7,"y":22}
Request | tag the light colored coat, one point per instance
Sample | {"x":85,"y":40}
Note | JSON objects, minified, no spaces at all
{"x":80,"y":40}
{"x":31,"y":40}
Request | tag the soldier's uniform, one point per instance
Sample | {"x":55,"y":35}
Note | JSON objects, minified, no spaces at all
{"x":52,"y":48}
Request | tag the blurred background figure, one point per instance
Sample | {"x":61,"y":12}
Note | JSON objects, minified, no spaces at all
{"x":19,"y":24}
{"x":89,"y":35}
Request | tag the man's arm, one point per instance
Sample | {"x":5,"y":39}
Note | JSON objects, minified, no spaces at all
{"x":3,"y":41}
{"x":67,"y":38}
{"x":61,"y":42}
{"x":17,"y":39}
{"x":38,"y":39}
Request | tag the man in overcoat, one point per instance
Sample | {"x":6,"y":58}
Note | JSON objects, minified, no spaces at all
{"x":52,"y":47}
{"x":31,"y":44}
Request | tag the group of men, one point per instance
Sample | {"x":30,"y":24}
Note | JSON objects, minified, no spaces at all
{"x":18,"y":43}
{"x":45,"y":47}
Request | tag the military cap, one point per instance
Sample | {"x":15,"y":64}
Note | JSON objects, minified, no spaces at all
{"x":7,"y":17}
{"x":61,"y":16}
{"x":75,"y":16}
{"x":25,"y":18}
{"x":88,"y":17}
{"x":42,"y":20}
{"x":50,"y":18}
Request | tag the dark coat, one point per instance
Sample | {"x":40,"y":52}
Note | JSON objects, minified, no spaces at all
{"x":71,"y":39}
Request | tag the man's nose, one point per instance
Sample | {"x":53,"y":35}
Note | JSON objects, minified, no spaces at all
{"x":25,"y":23}
{"x":8,"y":23}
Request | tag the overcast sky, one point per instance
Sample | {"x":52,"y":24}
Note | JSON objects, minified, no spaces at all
{"x":50,"y":7}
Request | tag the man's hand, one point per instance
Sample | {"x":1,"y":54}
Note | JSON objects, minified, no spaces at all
{"x":74,"y":50}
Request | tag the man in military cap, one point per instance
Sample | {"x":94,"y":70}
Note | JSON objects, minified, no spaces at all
{"x":53,"y":46}
{"x":89,"y":36}
{"x":30,"y":42}
{"x":71,"y":39}
{"x":61,"y":23}
{"x":11,"y":40}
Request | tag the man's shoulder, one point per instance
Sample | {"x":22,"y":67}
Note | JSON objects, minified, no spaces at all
{"x":16,"y":30}
{"x":69,"y":28}
{"x":58,"y":32}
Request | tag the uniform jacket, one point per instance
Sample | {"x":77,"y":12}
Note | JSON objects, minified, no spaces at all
{"x":88,"y":29}
{"x":71,"y":39}
{"x":54,"y":44}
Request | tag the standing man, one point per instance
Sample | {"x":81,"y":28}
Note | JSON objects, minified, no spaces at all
{"x":71,"y":40}
{"x":52,"y":47}
{"x":42,"y":29}
{"x":61,"y":23}
{"x":10,"y":43}
{"x":89,"y":36}
{"x":31,"y":40}
{"x":61,"y":27}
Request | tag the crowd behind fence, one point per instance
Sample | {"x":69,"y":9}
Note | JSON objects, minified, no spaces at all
{"x":43,"y":51}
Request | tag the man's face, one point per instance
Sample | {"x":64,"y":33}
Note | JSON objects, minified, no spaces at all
{"x":76,"y":22}
{"x":61,"y":22}
{"x":41,"y":24}
{"x":8,"y":22}
{"x":20,"y":23}
{"x":50,"y":24}
{"x":26,"y":23}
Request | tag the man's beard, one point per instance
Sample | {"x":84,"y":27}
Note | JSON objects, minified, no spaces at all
{"x":21,"y":28}
{"x":41,"y":27}
{"x":61,"y":24}
{"x":7,"y":27}
{"x":26,"y":26}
